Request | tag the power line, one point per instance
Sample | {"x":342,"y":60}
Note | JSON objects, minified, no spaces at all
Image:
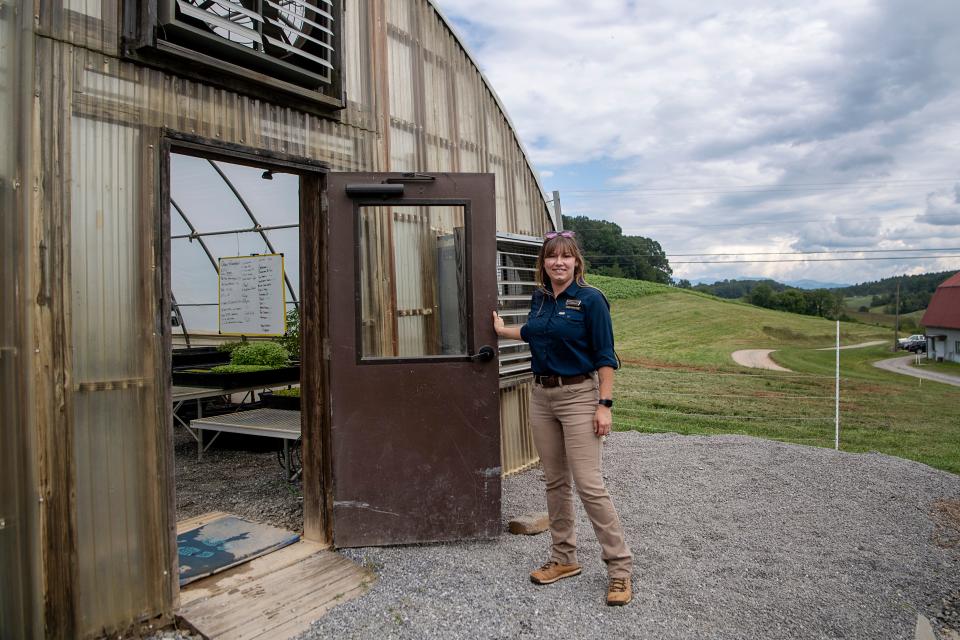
{"x":815,"y":259}
{"x":945,"y":217}
{"x":759,"y":188}
{"x":781,"y":260}
{"x":763,"y":253}
{"x":793,"y":253}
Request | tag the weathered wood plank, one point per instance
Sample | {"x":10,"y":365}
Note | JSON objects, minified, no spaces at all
{"x":281,"y":603}
{"x":315,"y":608}
{"x":313,"y":328}
{"x":52,"y":345}
{"x":261,"y":613}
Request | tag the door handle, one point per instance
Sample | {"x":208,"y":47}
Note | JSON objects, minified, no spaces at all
{"x":485,"y":354}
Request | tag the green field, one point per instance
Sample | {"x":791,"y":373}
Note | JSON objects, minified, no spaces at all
{"x":951,"y":368}
{"x":877,"y":316}
{"x":678,"y":376}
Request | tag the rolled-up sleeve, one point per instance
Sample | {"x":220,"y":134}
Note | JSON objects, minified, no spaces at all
{"x":601,"y":334}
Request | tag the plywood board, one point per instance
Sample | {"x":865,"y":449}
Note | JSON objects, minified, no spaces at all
{"x":226,"y":542}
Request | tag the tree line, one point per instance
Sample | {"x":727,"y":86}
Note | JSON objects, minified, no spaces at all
{"x":915,"y":291}
{"x":770,"y":294}
{"x":610,"y":253}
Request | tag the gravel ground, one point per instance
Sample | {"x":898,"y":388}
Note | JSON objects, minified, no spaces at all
{"x":239,"y":475}
{"x":734,"y":537}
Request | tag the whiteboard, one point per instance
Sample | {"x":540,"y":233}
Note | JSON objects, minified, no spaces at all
{"x":252,"y":297}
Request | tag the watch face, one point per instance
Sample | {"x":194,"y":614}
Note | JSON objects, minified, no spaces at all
{"x":606,"y":403}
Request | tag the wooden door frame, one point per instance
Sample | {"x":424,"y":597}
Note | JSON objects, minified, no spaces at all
{"x":313,"y":372}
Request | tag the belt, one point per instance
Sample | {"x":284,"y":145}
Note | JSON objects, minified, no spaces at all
{"x":559,"y":381}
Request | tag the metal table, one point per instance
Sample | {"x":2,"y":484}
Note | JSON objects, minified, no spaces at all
{"x":269,"y":423}
{"x":184,"y":394}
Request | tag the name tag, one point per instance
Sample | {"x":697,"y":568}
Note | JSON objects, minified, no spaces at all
{"x":574,"y":304}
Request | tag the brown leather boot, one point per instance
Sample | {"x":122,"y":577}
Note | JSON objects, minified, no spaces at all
{"x":619,"y":592}
{"x":553,"y":571}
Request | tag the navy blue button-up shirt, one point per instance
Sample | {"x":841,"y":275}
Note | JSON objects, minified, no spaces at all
{"x":570,"y":334}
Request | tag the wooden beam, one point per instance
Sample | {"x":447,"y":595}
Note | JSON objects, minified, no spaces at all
{"x":51,"y":289}
{"x":313,"y":374}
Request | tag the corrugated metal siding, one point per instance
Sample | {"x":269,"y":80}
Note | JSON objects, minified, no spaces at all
{"x":115,"y":393}
{"x":517,"y":451}
{"x":440,"y":115}
{"x":92,"y":24}
{"x":18,"y":505}
{"x":431,"y":112}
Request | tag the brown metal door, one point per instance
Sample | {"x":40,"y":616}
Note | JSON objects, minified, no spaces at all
{"x":414,"y":400}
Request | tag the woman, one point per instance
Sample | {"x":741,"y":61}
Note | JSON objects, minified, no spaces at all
{"x":571,"y":346}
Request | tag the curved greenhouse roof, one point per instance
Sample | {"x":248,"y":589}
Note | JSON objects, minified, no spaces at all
{"x":416,"y":102}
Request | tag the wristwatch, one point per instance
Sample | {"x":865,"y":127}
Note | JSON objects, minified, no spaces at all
{"x":607,"y":402}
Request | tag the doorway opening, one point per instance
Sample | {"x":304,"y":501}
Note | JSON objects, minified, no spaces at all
{"x":241,"y":331}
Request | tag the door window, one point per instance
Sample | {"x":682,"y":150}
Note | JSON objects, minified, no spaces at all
{"x":413,"y":278}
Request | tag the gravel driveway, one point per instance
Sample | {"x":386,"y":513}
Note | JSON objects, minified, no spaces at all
{"x":756,"y":359}
{"x":734,"y":537}
{"x":902,"y":365}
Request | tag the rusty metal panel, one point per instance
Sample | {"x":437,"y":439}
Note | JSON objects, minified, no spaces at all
{"x":92,"y":24}
{"x":441,"y":113}
{"x":19,"y":554}
{"x":517,"y":450}
{"x":422,"y":463}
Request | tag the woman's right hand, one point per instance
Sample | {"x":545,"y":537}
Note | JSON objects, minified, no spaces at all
{"x":512,"y":332}
{"x":498,"y":324}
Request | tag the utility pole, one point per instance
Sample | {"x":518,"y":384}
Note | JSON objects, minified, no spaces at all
{"x":896,"y":324}
{"x":557,"y":211}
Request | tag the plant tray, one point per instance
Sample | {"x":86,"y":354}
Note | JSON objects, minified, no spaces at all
{"x":237,"y":380}
{"x":199,"y":357}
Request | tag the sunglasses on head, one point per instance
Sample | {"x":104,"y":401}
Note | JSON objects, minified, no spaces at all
{"x":563,"y":234}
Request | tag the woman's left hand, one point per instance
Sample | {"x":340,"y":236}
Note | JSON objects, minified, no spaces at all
{"x":602,"y":420}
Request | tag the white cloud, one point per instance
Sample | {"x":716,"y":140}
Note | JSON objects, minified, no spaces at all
{"x":832,"y":119}
{"x":943,"y":208}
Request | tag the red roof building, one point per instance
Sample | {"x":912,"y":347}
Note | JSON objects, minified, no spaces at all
{"x":943,"y":312}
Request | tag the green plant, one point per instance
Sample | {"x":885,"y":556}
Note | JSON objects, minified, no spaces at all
{"x":238,"y":368}
{"x":268,"y":354}
{"x":228,"y":347}
{"x":291,"y":339}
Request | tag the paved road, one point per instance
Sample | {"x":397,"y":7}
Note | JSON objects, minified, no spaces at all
{"x":872,"y":343}
{"x":902,"y":365}
{"x":756,"y":359}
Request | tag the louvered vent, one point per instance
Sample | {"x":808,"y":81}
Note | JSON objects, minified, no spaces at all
{"x":516,"y":281}
{"x":290,"y":39}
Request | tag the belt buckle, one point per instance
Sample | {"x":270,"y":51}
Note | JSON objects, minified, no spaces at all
{"x":548,"y":381}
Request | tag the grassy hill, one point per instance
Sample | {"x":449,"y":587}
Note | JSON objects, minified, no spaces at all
{"x":678,"y":376}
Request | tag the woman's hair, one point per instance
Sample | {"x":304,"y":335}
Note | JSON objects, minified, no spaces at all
{"x":560,"y":245}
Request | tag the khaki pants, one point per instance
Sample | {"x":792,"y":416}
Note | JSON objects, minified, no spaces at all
{"x":562,"y":422}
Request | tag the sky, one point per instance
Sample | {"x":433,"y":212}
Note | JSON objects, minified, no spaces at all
{"x":745,"y":127}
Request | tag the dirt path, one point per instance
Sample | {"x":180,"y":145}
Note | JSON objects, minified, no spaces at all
{"x":902,"y":365}
{"x":872,"y":343}
{"x":756,"y":359}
